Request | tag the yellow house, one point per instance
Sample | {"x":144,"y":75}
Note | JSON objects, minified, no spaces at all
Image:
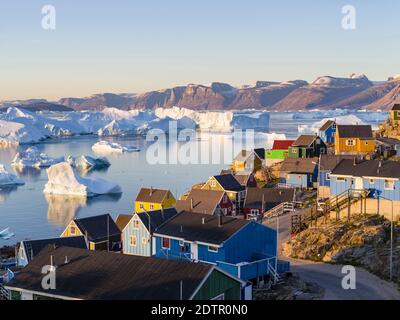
{"x":100,"y":232}
{"x":354,"y":139}
{"x":247,"y":161}
{"x":150,"y":199}
{"x":395,"y":114}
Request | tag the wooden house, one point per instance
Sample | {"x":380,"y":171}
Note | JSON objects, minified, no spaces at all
{"x":247,"y":161}
{"x":327,"y":132}
{"x":246,"y":179}
{"x":395,"y":114}
{"x":279,"y":151}
{"x":28,"y":249}
{"x":260,"y":200}
{"x":150,"y":199}
{"x":307,"y":146}
{"x":388,"y":147}
{"x":299,"y":173}
{"x":137,"y":234}
{"x":354,"y":140}
{"x":243,"y":248}
{"x":208,"y":202}
{"x":326,"y":165}
{"x":94,"y":275}
{"x":100,"y":232}
{"x":227,"y":182}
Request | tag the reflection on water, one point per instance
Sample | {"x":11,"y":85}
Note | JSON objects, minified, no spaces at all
{"x":87,"y":171}
{"x":5,"y":192}
{"x":30,"y":174}
{"x":62,"y":209}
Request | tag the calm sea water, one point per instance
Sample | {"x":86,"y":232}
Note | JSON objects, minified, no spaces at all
{"x":32,"y":215}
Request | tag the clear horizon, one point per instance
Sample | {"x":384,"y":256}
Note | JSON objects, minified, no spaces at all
{"x":134,"y":47}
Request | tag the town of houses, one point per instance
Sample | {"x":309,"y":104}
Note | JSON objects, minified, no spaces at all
{"x":215,"y":241}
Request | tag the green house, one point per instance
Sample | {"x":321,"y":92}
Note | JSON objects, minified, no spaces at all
{"x":279,"y":151}
{"x":307,"y":146}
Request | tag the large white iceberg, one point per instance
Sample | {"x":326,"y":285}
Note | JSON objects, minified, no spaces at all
{"x":8,"y":179}
{"x":32,"y":158}
{"x":63,"y":180}
{"x":112,"y":147}
{"x":85,"y":162}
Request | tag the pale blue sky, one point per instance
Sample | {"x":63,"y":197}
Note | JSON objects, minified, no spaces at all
{"x":134,"y":46}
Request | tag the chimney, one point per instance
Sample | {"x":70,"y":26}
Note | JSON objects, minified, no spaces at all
{"x":66,"y":261}
{"x":191,"y":204}
{"x":219,"y":221}
{"x":162,"y":213}
{"x":203,"y":220}
{"x":379,"y":167}
{"x":354,"y":161}
{"x":151,"y":191}
{"x":181,"y":229}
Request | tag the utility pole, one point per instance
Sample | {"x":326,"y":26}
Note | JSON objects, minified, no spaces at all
{"x":277,"y":247}
{"x":391,"y":246}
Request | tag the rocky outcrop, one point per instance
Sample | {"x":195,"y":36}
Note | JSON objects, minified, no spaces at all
{"x":364,"y":241}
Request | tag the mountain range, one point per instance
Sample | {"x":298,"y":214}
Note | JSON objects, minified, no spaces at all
{"x":326,"y":92}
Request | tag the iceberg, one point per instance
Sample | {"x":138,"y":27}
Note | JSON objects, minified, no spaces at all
{"x":88,"y":162}
{"x":8,"y":179}
{"x":32,"y":158}
{"x":63,"y":180}
{"x":340,"y":120}
{"x":112,"y":147}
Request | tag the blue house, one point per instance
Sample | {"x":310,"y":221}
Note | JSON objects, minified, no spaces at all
{"x":327,"y":132}
{"x":245,"y":249}
{"x":326,"y":164}
{"x":299,"y":172}
{"x":380,"y":178}
{"x":137,"y":230}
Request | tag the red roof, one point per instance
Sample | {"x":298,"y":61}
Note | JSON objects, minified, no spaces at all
{"x":282,"y":144}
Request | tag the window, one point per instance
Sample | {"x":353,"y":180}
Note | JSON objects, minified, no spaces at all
{"x":141,"y":206}
{"x":212,"y":183}
{"x":212,"y":249}
{"x":294,"y":151}
{"x":254,"y":212}
{"x":135,"y":224}
{"x":340,"y":179}
{"x":132,"y":241}
{"x":166,"y":243}
{"x":350,"y":143}
{"x":328,"y":176}
{"x":366,"y":143}
{"x":144,"y":240}
{"x":225,"y":199}
{"x":152,"y":207}
{"x":389,"y":185}
{"x":72,"y":230}
{"x":371,"y":181}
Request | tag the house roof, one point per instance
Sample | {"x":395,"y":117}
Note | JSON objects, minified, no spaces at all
{"x":305,"y":140}
{"x":243,"y":178}
{"x":282,"y":144}
{"x":396,"y":107}
{"x":101,"y":275}
{"x":327,"y":125}
{"x":157,"y":218}
{"x":354,"y":131}
{"x":151,"y":195}
{"x":98,"y":228}
{"x":33,"y":247}
{"x":260,"y":152}
{"x":229,"y":183}
{"x":388,"y":141}
{"x":243,"y":155}
{"x":189,"y":226}
{"x":122,"y":220}
{"x":329,"y":162}
{"x":299,"y":165}
{"x":255,"y":196}
{"x":203,"y":201}
{"x":370,"y":168}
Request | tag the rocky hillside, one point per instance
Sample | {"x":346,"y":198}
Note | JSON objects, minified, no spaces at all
{"x":364,"y":241}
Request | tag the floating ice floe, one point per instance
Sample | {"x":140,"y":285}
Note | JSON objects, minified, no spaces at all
{"x":8,"y":179}
{"x":32,"y":158}
{"x":63,"y":180}
{"x":88,"y":162}
{"x":113,"y":147}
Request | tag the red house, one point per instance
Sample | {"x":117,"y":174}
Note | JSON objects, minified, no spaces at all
{"x":206,"y":201}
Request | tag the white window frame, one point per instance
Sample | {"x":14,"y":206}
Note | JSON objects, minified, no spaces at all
{"x":350,"y":143}
{"x":213,"y":249}
{"x":134,"y":226}
{"x":254,"y":212}
{"x":141,"y":205}
{"x":130,"y":241}
{"x":340,"y":179}
{"x":169,"y":243}
{"x":371,"y":181}
{"x":392,"y":187}
{"x":212,"y":183}
{"x":144,"y":240}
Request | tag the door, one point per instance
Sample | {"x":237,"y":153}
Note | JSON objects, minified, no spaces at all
{"x":358,"y":185}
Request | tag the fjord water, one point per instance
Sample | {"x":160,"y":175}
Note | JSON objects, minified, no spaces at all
{"x":32,"y":215}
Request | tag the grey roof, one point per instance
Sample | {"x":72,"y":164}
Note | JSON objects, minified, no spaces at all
{"x":157,"y":218}
{"x":98,"y":228}
{"x":329,"y":162}
{"x":327,"y":125}
{"x":370,"y":168}
{"x":229,"y":183}
{"x":201,"y":201}
{"x":388,"y":141}
{"x":101,"y":275}
{"x":33,"y":247}
{"x":299,"y":165}
{"x":396,"y":107}
{"x":260,"y":152}
{"x":151,"y":195}
{"x":190,"y":226}
{"x":355,"y":131}
{"x":304,"y":140}
{"x":271,"y":197}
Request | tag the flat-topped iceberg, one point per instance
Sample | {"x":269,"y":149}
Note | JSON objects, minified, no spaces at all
{"x":63,"y":180}
{"x":112,"y":147}
{"x":8,"y":179}
{"x":85,"y":162}
{"x":32,"y":158}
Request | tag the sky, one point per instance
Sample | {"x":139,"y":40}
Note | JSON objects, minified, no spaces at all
{"x":136,"y":46}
